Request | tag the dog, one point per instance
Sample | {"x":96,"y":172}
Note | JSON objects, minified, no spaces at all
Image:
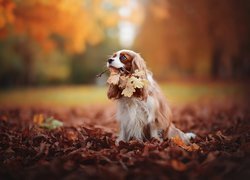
{"x":146,"y":114}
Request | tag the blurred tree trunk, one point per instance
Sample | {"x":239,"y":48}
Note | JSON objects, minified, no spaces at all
{"x":216,"y":62}
{"x":25,"y":49}
{"x":209,"y":36}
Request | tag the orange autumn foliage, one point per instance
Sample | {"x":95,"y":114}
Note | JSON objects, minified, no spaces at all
{"x":192,"y":147}
{"x":6,"y":12}
{"x":38,"y":119}
{"x":77,"y":22}
{"x":6,"y":15}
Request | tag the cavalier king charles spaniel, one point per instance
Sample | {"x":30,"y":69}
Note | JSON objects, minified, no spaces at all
{"x":146,"y":114}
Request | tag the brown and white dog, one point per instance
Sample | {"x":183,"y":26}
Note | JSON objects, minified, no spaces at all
{"x":146,"y":114}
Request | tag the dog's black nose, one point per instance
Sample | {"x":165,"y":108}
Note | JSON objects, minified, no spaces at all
{"x":110,"y":61}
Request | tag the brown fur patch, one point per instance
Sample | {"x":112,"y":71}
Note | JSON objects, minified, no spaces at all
{"x":127,"y":62}
{"x":114,"y":92}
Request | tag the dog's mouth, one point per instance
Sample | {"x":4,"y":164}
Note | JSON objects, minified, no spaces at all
{"x":112,"y":68}
{"x":123,"y":69}
{"x":120,"y":70}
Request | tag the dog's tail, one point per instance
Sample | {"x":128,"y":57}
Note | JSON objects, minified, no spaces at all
{"x":175,"y":132}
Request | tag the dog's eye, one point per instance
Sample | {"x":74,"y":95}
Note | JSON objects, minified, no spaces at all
{"x":122,"y":58}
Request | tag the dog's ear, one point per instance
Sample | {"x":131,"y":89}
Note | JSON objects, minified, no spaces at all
{"x":141,"y":93}
{"x":138,"y":63}
{"x":114,"y":92}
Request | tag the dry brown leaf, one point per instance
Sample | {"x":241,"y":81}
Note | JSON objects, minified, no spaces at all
{"x":137,"y":83}
{"x":123,"y":81}
{"x":92,"y":147}
{"x":4,"y":118}
{"x":139,"y":73}
{"x":113,"y":78}
{"x":178,"y":141}
{"x":38,"y":119}
{"x":127,"y":82}
{"x":178,"y":166}
{"x":71,"y":135}
{"x":48,"y":123}
{"x":131,"y":85}
{"x":128,"y":91}
{"x":222,"y":136}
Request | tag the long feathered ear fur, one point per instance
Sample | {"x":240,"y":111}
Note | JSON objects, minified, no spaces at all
{"x":138,"y":63}
{"x":114,"y":92}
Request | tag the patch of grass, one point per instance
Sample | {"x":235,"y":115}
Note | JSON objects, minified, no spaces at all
{"x":177,"y":93}
{"x":182,"y":93}
{"x":55,"y":96}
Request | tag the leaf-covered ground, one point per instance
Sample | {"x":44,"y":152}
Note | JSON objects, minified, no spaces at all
{"x":84,"y":147}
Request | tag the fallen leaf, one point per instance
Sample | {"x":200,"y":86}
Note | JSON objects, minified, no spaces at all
{"x":178,"y":166}
{"x":211,"y":157}
{"x":4,"y":118}
{"x":71,"y":135}
{"x":178,"y":141}
{"x":38,"y":119}
{"x":51,"y":123}
{"x":222,"y":136}
{"x":89,"y":145}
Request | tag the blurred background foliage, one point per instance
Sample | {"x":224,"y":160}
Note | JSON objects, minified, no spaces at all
{"x":44,"y":42}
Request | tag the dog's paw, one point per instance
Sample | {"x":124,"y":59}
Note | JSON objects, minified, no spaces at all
{"x":190,"y":135}
{"x":118,"y":140}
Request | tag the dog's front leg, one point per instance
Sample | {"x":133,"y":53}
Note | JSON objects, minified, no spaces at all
{"x":154,"y":132}
{"x":122,"y":136}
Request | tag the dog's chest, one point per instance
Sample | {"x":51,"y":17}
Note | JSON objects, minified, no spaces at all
{"x":134,"y":110}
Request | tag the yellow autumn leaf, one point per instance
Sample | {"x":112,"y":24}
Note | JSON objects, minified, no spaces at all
{"x":128,"y":91}
{"x":136,"y":82}
{"x":123,"y":81}
{"x":114,"y":78}
{"x":38,"y":119}
{"x":145,"y":82}
{"x":127,"y":82}
{"x":138,"y":73}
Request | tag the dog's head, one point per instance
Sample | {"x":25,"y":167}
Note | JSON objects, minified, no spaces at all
{"x":126,"y":61}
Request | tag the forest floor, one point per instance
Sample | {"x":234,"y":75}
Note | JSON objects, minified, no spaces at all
{"x":84,"y":147}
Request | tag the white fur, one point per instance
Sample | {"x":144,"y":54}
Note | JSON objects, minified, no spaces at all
{"x":116,"y":63}
{"x":191,"y":135}
{"x":133,"y":115}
